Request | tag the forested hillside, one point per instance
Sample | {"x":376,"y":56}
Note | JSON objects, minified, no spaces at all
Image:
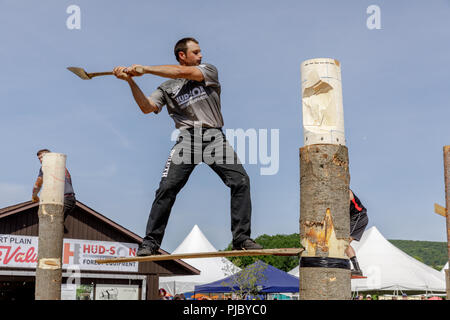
{"x":270,"y":242}
{"x":431,"y":253}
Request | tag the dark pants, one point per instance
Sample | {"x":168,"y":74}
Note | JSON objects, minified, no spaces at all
{"x":358,"y":223}
{"x":185,"y":155}
{"x":69,"y":205}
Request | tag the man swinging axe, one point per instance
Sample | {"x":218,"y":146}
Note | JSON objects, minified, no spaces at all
{"x":192,"y":97}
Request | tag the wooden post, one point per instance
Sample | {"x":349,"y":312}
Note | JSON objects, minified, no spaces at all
{"x":324,"y":185}
{"x":447,"y":205}
{"x":324,"y":222}
{"x":51,"y":228}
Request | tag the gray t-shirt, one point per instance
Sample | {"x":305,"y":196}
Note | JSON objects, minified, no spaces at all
{"x":191,"y":103}
{"x":68,"y":189}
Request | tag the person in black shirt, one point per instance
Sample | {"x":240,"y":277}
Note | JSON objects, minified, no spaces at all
{"x":358,"y":223}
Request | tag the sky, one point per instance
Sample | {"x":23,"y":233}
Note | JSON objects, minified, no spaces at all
{"x":395,"y":94}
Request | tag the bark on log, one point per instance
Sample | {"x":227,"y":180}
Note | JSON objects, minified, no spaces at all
{"x":324,"y":221}
{"x":48,"y":270}
{"x":51,"y":228}
{"x":447,"y":205}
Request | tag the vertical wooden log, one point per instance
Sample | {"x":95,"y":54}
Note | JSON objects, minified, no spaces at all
{"x":447,"y":281}
{"x":324,"y":223}
{"x":447,"y":205}
{"x":51,"y":228}
{"x":324,"y":185}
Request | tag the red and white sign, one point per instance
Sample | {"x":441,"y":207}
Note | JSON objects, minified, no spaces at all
{"x":22,"y":251}
{"x":18,"y":251}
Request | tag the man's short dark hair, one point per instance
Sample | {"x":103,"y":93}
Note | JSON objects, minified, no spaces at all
{"x":42,"y":151}
{"x":182,"y":46}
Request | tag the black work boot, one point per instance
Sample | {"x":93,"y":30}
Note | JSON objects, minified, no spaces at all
{"x":146,"y":250}
{"x":248,"y":244}
{"x":356,"y":271}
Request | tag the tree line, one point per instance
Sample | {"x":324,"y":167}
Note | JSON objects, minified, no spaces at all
{"x":433,"y":254}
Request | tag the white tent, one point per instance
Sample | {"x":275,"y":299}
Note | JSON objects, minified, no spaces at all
{"x":211,"y":269}
{"x":389,"y":268}
{"x":295,"y":272}
{"x":445,"y":267}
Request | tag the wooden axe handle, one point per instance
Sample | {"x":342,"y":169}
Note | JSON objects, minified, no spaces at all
{"x":96,"y":74}
{"x":108,"y":73}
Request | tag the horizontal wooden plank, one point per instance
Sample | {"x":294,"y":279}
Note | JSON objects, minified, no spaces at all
{"x":233,"y":253}
{"x":440,"y":210}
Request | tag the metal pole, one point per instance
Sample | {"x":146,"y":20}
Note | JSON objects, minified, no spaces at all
{"x":447,"y":205}
{"x":51,"y":228}
{"x":324,"y":185}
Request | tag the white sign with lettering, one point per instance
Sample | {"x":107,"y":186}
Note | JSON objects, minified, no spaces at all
{"x":22,"y":251}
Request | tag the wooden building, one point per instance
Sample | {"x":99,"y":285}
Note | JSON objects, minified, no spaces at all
{"x":88,"y":235}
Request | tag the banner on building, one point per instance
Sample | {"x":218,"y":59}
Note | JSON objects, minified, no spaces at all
{"x":22,"y":252}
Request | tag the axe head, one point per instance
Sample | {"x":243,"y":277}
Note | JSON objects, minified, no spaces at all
{"x":80,"y":72}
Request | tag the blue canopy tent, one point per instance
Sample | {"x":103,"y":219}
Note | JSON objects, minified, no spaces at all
{"x":273,"y":281}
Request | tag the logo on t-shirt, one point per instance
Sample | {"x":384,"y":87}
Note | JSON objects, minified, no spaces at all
{"x":192,"y":96}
